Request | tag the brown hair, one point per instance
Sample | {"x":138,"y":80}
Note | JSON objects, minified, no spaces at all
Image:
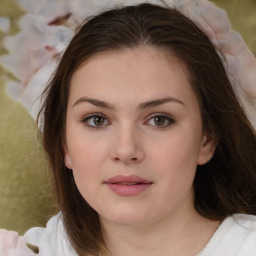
{"x":225,"y":185}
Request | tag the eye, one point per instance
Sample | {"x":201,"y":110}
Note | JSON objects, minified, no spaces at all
{"x":95,"y":121}
{"x":160,"y":120}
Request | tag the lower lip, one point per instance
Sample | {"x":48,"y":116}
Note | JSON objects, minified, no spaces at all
{"x":128,"y":190}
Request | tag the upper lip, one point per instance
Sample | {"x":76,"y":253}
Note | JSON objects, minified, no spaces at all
{"x":121,"y":179}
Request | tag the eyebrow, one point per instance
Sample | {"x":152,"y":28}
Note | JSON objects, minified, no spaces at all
{"x":157,"y":102}
{"x":98,"y":103}
{"x":145,"y":105}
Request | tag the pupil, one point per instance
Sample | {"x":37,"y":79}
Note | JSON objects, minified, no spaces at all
{"x":98,"y":120}
{"x":159,"y":121}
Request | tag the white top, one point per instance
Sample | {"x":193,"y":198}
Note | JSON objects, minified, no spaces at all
{"x":52,"y":240}
{"x":236,"y":236}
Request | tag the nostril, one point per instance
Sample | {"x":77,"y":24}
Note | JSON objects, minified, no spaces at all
{"x":134,"y":159}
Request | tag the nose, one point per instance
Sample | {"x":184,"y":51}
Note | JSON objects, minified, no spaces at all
{"x":127,"y":147}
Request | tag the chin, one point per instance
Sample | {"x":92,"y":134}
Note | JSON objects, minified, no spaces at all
{"x":126,"y":217}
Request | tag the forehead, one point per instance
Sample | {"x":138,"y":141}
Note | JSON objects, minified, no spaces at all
{"x":142,"y":72}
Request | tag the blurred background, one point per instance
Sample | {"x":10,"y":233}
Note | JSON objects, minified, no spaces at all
{"x":25,"y":199}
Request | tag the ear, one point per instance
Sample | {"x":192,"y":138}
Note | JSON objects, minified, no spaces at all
{"x":207,"y":149}
{"x":68,"y":162}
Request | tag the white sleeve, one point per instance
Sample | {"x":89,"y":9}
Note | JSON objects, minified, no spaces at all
{"x":52,"y":240}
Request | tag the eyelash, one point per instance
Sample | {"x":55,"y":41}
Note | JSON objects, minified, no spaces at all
{"x":89,"y":117}
{"x":167,"y":118}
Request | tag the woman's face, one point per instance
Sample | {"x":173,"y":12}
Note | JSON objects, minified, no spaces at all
{"x":134,"y":136}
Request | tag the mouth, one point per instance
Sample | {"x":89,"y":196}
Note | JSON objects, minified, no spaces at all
{"x":128,"y":185}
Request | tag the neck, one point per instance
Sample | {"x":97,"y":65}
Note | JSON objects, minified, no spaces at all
{"x":183,"y":236}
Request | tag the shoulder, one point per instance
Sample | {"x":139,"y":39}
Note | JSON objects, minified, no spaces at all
{"x":51,"y":240}
{"x":245,"y":221}
{"x":235,"y":236}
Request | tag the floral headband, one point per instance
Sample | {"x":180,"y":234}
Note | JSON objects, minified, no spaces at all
{"x":50,"y":25}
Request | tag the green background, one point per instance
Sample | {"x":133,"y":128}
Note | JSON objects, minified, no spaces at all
{"x":24,"y":183}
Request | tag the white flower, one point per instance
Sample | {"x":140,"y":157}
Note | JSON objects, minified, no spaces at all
{"x":11,"y":244}
{"x":4,"y":24}
{"x":240,"y":62}
{"x":42,"y":37}
{"x":32,"y":49}
{"x":50,"y":10}
{"x":30,"y":95}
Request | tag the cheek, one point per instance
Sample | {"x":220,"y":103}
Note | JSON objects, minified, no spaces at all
{"x":86,"y":149}
{"x":176,"y":159}
{"x":176,"y":174}
{"x":178,"y":149}
{"x":88,"y":156}
{"x":86,"y":162}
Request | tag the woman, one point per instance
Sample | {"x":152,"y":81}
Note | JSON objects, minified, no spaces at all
{"x":150,"y":149}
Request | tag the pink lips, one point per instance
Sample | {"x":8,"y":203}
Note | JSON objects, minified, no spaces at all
{"x":127,"y":185}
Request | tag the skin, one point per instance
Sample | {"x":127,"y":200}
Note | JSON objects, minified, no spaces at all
{"x":128,"y":140}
